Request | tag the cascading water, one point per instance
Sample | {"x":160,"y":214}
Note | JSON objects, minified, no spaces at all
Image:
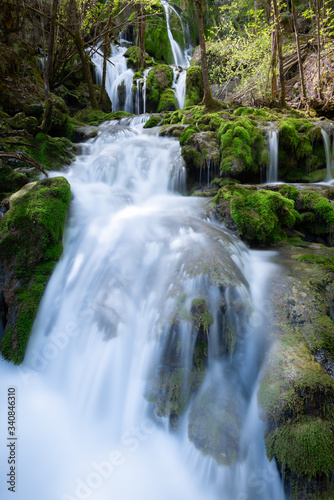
{"x":329,"y":151}
{"x":117,"y":316}
{"x":118,"y":78}
{"x":272,"y":170}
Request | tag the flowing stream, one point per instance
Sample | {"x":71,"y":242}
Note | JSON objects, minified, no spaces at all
{"x":134,"y":250}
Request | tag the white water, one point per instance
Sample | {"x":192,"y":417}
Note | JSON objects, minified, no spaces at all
{"x":178,"y":55}
{"x":272,"y":170}
{"x":84,"y":428}
{"x":329,"y":151}
{"x":118,"y":77}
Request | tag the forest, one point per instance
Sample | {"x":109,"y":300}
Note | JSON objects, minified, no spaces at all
{"x":167,"y":169}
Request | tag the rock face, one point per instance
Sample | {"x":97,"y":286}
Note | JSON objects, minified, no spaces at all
{"x":296,"y":395}
{"x":194,"y":86}
{"x":159,"y":95}
{"x":30,"y":245}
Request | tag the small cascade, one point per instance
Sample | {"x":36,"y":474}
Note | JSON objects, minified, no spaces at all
{"x":145,"y":74}
{"x":272,"y":170}
{"x":179,"y":57}
{"x":119,"y":78}
{"x":329,"y":151}
{"x":179,"y":85}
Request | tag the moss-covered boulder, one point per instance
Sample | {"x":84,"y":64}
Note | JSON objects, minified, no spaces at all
{"x":153,"y":121}
{"x":167,"y":101}
{"x":260,"y":216}
{"x":51,"y":152}
{"x":215,"y":423}
{"x":301,"y":151}
{"x":201,"y":153}
{"x":22,"y":122}
{"x":315,"y":206}
{"x":30,"y":245}
{"x":243,"y":149}
{"x":158,"y":81}
{"x":296,"y":394}
{"x":194,"y":86}
{"x":132,"y":55}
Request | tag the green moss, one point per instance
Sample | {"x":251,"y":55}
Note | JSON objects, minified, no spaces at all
{"x":156,"y":37}
{"x":194,"y":86}
{"x":252,"y":112}
{"x":317,"y":213}
{"x":188,"y":132}
{"x":289,"y":192}
{"x":305,"y":447}
{"x":167,"y":101}
{"x":154,"y":121}
{"x":30,"y":243}
{"x":53,"y":153}
{"x":200,"y":314}
{"x":261,"y":216}
{"x":95,"y":116}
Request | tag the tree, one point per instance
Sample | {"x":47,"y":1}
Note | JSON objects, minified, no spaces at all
{"x":300,"y":62}
{"x":46,"y":124}
{"x":278,"y":35}
{"x":209,"y":101}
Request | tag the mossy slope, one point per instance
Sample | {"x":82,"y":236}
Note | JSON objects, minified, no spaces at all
{"x":30,"y":245}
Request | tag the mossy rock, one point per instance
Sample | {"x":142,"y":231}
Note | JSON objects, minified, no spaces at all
{"x":22,"y":122}
{"x":132,"y":55}
{"x":262,"y":217}
{"x":158,"y":81}
{"x":153,"y":121}
{"x":30,"y":245}
{"x":242,"y":144}
{"x":317,"y":215}
{"x":157,"y":43}
{"x":167,"y":101}
{"x":60,"y":114}
{"x":95,"y":117}
{"x":194,"y":86}
{"x":215,"y":423}
{"x":296,"y":393}
{"x":53,"y":153}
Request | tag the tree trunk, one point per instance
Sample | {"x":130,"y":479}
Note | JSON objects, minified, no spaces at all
{"x":209,"y":101}
{"x":301,"y":71}
{"x":47,"y":76}
{"x":83,"y":56}
{"x":317,"y":16}
{"x":280,"y":53}
{"x":142,"y":38}
{"x":104,"y":95}
{"x":273,"y":65}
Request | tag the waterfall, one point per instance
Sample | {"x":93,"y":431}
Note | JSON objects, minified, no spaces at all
{"x":329,"y":151}
{"x":272,"y":170}
{"x":118,"y":78}
{"x":179,"y":85}
{"x":178,"y":55}
{"x":90,"y":416}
